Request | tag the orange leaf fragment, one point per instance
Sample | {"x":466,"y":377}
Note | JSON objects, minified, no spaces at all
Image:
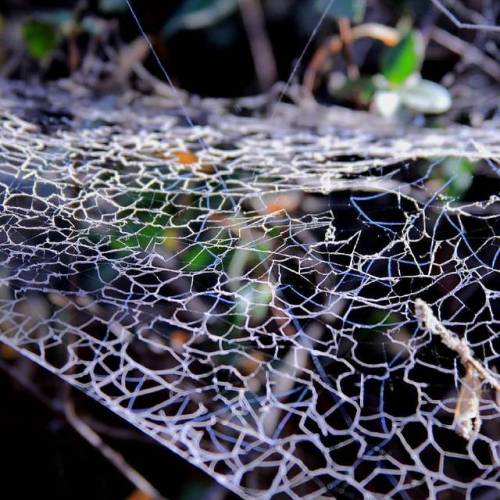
{"x":178,"y":338}
{"x":186,"y":157}
{"x":139,"y":495}
{"x":283,"y":201}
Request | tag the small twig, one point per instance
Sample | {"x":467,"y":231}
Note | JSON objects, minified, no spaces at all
{"x":459,"y":24}
{"x":385,"y":34}
{"x":119,"y":433}
{"x":13,"y":371}
{"x":426,"y":317}
{"x":331,"y":47}
{"x":128,"y":57}
{"x":346,"y":38}
{"x":113,"y":456}
{"x":469,"y":53}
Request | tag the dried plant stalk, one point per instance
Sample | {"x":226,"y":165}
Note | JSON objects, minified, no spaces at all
{"x":467,"y":411}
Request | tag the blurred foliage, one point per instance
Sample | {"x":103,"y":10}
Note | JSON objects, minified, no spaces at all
{"x":398,"y":90}
{"x":350,"y":9}
{"x":141,"y":236}
{"x":457,"y":173}
{"x":113,"y":6}
{"x":403,"y":60}
{"x":40,"y":38}
{"x":204,"y":45}
{"x":252,"y":303}
{"x":199,"y":257}
{"x":400,"y":85}
{"x":199,"y":14}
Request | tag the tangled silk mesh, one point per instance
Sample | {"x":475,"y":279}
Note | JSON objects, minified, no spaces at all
{"x":244,"y":290}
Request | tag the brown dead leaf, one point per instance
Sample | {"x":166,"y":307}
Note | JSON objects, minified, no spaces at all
{"x":467,"y":417}
{"x":7,"y":353}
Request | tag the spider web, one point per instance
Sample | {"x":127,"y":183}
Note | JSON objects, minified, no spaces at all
{"x":250,"y":304}
{"x":243,"y":288}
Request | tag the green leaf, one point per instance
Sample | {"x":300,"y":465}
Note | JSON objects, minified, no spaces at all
{"x":199,"y":257}
{"x":459,"y":172}
{"x":40,"y":38}
{"x":199,"y":14}
{"x":403,"y":60}
{"x":145,"y":238}
{"x":425,"y":96}
{"x":352,"y":9}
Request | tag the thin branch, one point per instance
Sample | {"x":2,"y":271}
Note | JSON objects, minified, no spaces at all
{"x":303,"y":53}
{"x":469,"y":53}
{"x":425,"y":315}
{"x":388,"y":36}
{"x":331,"y":47}
{"x":459,"y":24}
{"x":84,"y":430}
{"x":346,"y":38}
{"x":112,"y":455}
{"x":260,"y":45}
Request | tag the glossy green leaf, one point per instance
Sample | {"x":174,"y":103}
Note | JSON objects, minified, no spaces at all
{"x":352,"y":9}
{"x":403,"y":60}
{"x":199,"y":14}
{"x":40,"y":38}
{"x":425,"y":96}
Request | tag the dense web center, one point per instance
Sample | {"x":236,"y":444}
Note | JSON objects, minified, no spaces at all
{"x":245,"y":290}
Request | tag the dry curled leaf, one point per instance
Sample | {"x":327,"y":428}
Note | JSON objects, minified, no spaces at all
{"x":467,"y":417}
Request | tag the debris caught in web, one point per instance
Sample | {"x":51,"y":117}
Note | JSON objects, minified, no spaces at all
{"x":467,"y":417}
